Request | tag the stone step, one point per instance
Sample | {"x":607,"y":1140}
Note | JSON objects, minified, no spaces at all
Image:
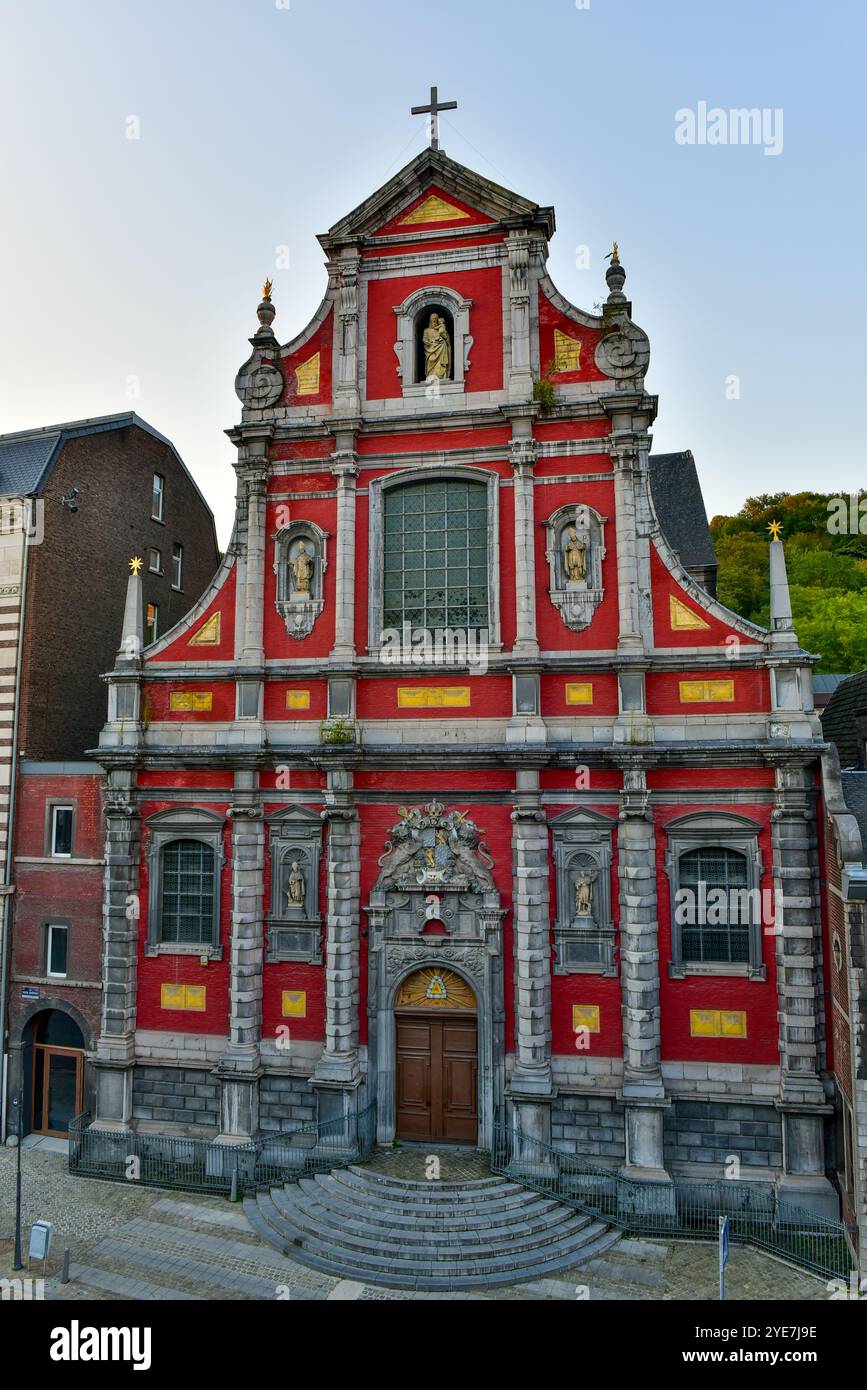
{"x":439,"y":1216}
{"x":461,"y":1189}
{"x":555,"y":1257}
{"x":367,"y":1226}
{"x":364,"y":1234}
{"x":419,"y":1265}
{"x":504,"y":1197}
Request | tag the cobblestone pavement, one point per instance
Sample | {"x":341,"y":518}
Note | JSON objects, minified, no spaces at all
{"x":411,"y":1162}
{"x":147,"y":1243}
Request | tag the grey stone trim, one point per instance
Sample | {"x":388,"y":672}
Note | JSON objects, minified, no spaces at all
{"x":115,"y":1048}
{"x":344,"y":468}
{"x":590,"y":1125}
{"x":339,"y":1064}
{"x":166,"y":827}
{"x":716,"y":1131}
{"x":295,"y":934}
{"x":583,"y":838}
{"x":713,"y":829}
{"x":184,"y":1096}
{"x":300,"y":614}
{"x":531,"y":926}
{"x":285,"y":1103}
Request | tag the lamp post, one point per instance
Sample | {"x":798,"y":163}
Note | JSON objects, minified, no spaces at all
{"x":19,"y":1263}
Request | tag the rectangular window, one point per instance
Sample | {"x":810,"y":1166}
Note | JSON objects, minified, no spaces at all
{"x":57,"y":950}
{"x":61,"y":832}
{"x":155,"y":560}
{"x":435,"y":555}
{"x":152,"y":614}
{"x":177,"y":566}
{"x":158,"y":504}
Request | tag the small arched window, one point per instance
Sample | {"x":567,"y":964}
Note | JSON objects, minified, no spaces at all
{"x":187,"y":892}
{"x":434,"y":344}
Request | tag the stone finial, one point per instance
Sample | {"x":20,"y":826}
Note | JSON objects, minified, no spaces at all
{"x":615,"y":275}
{"x":132,"y":637}
{"x":781,"y":604}
{"x":266,"y":311}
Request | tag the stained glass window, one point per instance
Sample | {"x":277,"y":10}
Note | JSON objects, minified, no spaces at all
{"x":187,"y":908}
{"x":435,"y":555}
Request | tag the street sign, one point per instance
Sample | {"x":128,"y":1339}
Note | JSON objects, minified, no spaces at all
{"x":723,"y":1254}
{"x":30,"y":992}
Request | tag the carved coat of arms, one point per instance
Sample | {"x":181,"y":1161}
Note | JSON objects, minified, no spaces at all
{"x":430,"y":845}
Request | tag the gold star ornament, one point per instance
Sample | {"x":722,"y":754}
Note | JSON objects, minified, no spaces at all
{"x":775,"y":527}
{"x":135,"y":564}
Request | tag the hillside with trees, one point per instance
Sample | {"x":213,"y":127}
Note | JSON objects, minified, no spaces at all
{"x":825,"y":539}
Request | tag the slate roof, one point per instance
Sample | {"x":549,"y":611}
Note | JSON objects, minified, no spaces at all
{"x":27,"y":457}
{"x":680,"y":507}
{"x":855,"y":794}
{"x":840,"y":718}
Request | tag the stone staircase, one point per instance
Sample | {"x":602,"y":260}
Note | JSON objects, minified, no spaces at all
{"x":361,"y":1225}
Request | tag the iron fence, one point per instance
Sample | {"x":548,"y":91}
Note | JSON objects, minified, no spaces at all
{"x":681,"y":1207}
{"x":205,"y":1165}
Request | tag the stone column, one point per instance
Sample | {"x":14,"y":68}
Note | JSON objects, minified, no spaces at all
{"x":643,"y":1088}
{"x":531,"y":1086}
{"x":523,"y":454}
{"x":121,"y":915}
{"x":239,"y":1068}
{"x":346,"y":393}
{"x":252,"y":470}
{"x":799,"y":988}
{"x":345,"y":470}
{"x":338,"y":1075}
{"x":520,"y":374}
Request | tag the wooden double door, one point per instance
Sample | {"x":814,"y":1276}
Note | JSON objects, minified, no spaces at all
{"x":437,"y":1077}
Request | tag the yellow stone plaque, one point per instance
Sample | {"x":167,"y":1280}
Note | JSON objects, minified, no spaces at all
{"x":294,"y":1003}
{"x":585,"y":1016}
{"x":580,"y":693}
{"x":189,"y":997}
{"x":567,"y":352}
{"x":433,"y":696}
{"x":208,"y":634}
{"x":717,"y":1023}
{"x":307,"y":377}
{"x":706,"y":692}
{"x":297,"y":699}
{"x":434,"y":209}
{"x":682,"y":618}
{"x":188,"y":700}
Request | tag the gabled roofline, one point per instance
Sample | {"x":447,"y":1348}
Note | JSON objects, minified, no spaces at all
{"x":363,"y":220}
{"x":102,"y":424}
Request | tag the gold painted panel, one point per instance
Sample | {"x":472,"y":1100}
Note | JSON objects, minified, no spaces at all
{"x":707,"y":692}
{"x":294,"y":1003}
{"x":683,"y":619}
{"x":434,"y":209}
{"x":585,"y":1016}
{"x":717,"y":1023}
{"x":189,"y":997}
{"x":435,"y":989}
{"x":579,"y":693}
{"x":208,"y":634}
{"x":307,"y":377}
{"x":297,"y":699}
{"x":189,"y":700}
{"x":433,"y":696}
{"x":567,"y":352}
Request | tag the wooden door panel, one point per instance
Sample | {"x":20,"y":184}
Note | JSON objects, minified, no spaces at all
{"x":437,"y":1079}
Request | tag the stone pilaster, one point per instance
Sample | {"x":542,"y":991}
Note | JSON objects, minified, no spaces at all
{"x":643,"y":1088}
{"x":347,"y":399}
{"x":240,"y":1067}
{"x":523,"y":454}
{"x":338,"y":1068}
{"x":345,"y":471}
{"x":799,"y":989}
{"x":121,"y":914}
{"x":520,"y":373}
{"x":531,"y":1086}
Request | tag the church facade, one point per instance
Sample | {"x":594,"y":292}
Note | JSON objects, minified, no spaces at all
{"x":457,"y":800}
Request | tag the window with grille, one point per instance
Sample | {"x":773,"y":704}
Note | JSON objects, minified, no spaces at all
{"x":435,"y":555}
{"x":726,"y":937}
{"x":187,"y":897}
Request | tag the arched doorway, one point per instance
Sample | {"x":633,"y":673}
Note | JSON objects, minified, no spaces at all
{"x":54,"y":1071}
{"x":436,"y":1038}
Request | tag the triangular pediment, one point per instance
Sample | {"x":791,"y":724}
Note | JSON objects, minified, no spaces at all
{"x":434,"y":193}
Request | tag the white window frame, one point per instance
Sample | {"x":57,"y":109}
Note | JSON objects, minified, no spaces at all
{"x":56,"y":853}
{"x":156,"y":624}
{"x":50,"y":929}
{"x":177,"y":567}
{"x":157,"y":568}
{"x":158,"y":498}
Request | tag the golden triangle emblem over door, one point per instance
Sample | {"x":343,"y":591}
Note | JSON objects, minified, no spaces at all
{"x":431,"y":989}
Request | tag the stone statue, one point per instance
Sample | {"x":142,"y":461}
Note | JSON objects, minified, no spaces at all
{"x":302,"y":569}
{"x":295,"y":889}
{"x":575,"y":558}
{"x":584,"y":894}
{"x":437,"y":348}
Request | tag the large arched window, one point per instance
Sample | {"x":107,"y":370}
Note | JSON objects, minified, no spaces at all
{"x":187,"y":892}
{"x":719,"y":927}
{"x":435,"y":555}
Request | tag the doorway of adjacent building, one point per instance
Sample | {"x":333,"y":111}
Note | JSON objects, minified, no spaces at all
{"x":57,"y":1073}
{"x":437,"y":1059}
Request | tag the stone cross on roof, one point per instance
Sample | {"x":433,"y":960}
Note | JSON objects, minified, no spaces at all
{"x":433,"y":110}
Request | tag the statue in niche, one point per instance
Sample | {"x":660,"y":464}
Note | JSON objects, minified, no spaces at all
{"x":575,"y":558}
{"x":584,"y":894}
{"x":302,"y":570}
{"x":295,"y":886}
{"x":437,"y":348}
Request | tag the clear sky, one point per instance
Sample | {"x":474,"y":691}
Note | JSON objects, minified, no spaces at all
{"x":131,"y":268}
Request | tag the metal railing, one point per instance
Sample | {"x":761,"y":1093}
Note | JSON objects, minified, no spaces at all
{"x":681,"y":1208}
{"x":204,"y":1165}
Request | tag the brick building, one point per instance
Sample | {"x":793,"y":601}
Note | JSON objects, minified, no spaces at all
{"x":440,"y":878}
{"x":76,"y":500}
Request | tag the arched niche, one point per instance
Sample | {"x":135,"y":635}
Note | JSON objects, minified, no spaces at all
{"x":413,"y":316}
{"x":300,"y":562}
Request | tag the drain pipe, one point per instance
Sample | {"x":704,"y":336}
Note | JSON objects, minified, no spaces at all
{"x":10,"y":834}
